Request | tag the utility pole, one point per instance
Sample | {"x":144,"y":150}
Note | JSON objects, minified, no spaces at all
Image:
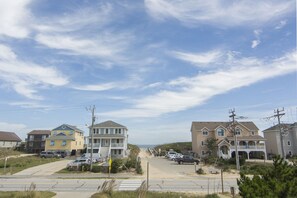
{"x":232,"y":112}
{"x":92,"y":109}
{"x":278,"y":114}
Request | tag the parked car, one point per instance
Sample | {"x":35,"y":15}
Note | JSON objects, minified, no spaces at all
{"x":49,"y":154}
{"x":62,"y":153}
{"x":78,"y":162}
{"x":96,"y":157}
{"x":187,"y":159}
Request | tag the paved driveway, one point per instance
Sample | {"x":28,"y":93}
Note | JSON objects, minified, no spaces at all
{"x":45,"y":169}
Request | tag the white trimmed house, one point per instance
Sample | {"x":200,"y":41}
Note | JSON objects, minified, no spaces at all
{"x":249,"y":143}
{"x":110,"y":139}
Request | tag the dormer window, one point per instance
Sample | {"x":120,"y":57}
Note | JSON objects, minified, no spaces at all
{"x":253,"y":132}
{"x":237,"y":131}
{"x":205,"y":132}
{"x":220,"y":132}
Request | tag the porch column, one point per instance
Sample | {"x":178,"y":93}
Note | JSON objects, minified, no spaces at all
{"x":246,"y":144}
{"x":248,"y":155}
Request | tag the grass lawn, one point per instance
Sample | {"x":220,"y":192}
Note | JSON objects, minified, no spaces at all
{"x":8,"y":152}
{"x":15,"y":165}
{"x":27,"y":194}
{"x":150,"y":194}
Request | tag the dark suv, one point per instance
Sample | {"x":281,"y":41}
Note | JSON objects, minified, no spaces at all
{"x":62,"y":153}
{"x":49,"y":154}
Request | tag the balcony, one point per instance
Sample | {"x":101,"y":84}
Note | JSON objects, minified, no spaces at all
{"x":117,"y":145}
{"x":257,"y":147}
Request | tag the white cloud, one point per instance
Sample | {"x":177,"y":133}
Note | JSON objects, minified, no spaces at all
{"x":15,"y":18}
{"x":199,"y":59}
{"x":29,"y":105}
{"x":196,"y":90}
{"x":25,"y":77}
{"x":218,"y":12}
{"x":11,"y":127}
{"x":257,"y":41}
{"x":97,"y":87}
{"x":281,"y":24}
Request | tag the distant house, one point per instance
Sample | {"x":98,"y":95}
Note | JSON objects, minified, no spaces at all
{"x":36,"y":140}
{"x":65,"y":138}
{"x":9,"y":140}
{"x":289,"y":136}
{"x":110,"y":139}
{"x":249,"y":143}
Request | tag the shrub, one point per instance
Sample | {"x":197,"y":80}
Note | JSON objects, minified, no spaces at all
{"x":131,"y":163}
{"x":212,"y":196}
{"x":115,"y":165}
{"x":200,"y":171}
{"x":139,"y":168}
{"x":96,"y":169}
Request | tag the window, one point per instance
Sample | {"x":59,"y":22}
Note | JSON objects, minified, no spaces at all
{"x":43,"y":137}
{"x":237,"y":131}
{"x":120,"y":152}
{"x":55,"y":133}
{"x":202,"y":143}
{"x":221,"y":132}
{"x":118,"y":140}
{"x":52,"y":143}
{"x":64,"y":143}
{"x":120,"y":131}
{"x":106,"y":131}
{"x":205,"y":132}
{"x":253,"y":132}
{"x":97,"y":131}
{"x":71,"y":133}
{"x":203,"y":152}
{"x":289,"y":143}
{"x":31,"y":137}
{"x":94,"y":130}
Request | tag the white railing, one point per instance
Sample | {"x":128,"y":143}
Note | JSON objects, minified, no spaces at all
{"x":249,"y":147}
{"x":95,"y":145}
{"x":117,"y":145}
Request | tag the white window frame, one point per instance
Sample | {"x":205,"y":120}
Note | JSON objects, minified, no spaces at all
{"x":205,"y":131}
{"x":238,"y":129}
{"x":289,"y":143}
{"x":218,"y":130}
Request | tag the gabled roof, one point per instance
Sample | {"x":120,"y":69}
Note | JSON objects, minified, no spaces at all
{"x":67,"y":127}
{"x":9,"y":136}
{"x":109,"y":124}
{"x":40,"y":132}
{"x":213,"y":125}
{"x":276,"y":127}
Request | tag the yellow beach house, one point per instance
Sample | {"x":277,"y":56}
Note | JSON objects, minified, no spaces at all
{"x":65,"y":138}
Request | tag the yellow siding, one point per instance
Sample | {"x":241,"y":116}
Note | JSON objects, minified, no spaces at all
{"x":76,"y":144}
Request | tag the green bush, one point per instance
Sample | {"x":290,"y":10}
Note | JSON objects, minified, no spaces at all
{"x":200,"y":171}
{"x":131,"y":163}
{"x":212,"y":196}
{"x":96,"y":169}
{"x":139,"y":168}
{"x":116,"y":164}
{"x":233,"y":161}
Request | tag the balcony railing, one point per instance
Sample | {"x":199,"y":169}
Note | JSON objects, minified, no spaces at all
{"x":117,"y":145}
{"x":249,"y":147}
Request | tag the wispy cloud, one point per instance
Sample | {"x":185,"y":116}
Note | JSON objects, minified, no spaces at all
{"x":199,"y":59}
{"x":217,"y":12}
{"x":194,"y":91}
{"x":29,"y":105}
{"x":257,"y":41}
{"x":97,"y":87}
{"x":14,"y":18}
{"x":281,"y":24}
{"x":11,"y":127}
{"x":25,"y":77}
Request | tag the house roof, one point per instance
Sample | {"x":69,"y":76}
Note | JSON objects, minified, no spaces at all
{"x":213,"y":125}
{"x":40,"y":132}
{"x":109,"y":124}
{"x":69,"y":127}
{"x":276,"y":127}
{"x":9,"y":136}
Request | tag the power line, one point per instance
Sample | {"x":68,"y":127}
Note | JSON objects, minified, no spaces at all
{"x":232,"y":112}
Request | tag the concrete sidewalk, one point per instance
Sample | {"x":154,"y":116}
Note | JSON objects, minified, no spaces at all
{"x":45,"y":169}
{"x":73,"y":194}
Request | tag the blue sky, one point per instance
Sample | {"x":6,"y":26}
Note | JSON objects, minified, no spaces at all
{"x":154,"y":66}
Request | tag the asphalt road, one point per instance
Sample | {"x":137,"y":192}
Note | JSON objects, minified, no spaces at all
{"x":91,"y":185}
